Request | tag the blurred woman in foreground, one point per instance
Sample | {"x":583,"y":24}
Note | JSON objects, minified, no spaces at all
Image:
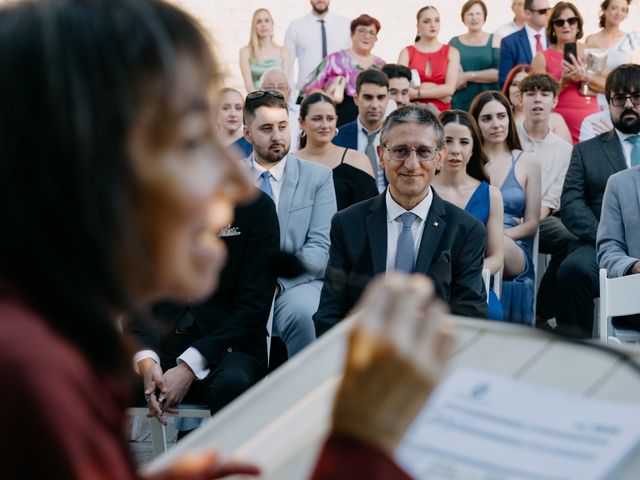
{"x":112,"y":128}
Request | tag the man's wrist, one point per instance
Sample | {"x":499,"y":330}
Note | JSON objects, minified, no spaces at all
{"x":187,"y":369}
{"x":145,"y":364}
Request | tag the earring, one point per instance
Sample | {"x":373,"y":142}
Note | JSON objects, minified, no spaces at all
{"x":303,"y":134}
{"x":336,"y":134}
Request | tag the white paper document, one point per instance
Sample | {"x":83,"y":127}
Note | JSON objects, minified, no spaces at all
{"x":481,"y":426}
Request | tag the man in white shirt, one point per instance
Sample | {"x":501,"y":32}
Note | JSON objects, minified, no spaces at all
{"x":521,"y":46}
{"x":406,"y":228}
{"x":517,"y":6}
{"x":539,"y":97}
{"x":305,"y":201}
{"x":314,"y":36}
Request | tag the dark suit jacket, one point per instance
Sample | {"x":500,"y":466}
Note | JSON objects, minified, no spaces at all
{"x":451,"y":252}
{"x":347,"y":136}
{"x":514,"y":49}
{"x":592,"y":163}
{"x":235,"y":316}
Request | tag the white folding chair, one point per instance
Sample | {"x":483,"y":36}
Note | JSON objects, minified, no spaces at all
{"x":618,"y":296}
{"x":497,"y":281}
{"x":536,"y":273}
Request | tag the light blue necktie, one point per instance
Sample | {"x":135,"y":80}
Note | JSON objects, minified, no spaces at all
{"x":405,"y":253}
{"x":635,"y":150}
{"x":265,"y":186}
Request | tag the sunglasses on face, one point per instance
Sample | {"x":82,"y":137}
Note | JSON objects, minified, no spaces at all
{"x":541,"y":11}
{"x":561,"y":21}
{"x":620,"y":100}
{"x":264,"y":93}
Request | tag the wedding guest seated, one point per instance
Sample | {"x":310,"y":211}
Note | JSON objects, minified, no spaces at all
{"x":408,"y":227}
{"x":517,"y":174}
{"x":216,"y":349}
{"x":337,"y":72}
{"x":363,"y":134}
{"x":592,"y":163}
{"x":353,"y":177}
{"x":464,"y":181}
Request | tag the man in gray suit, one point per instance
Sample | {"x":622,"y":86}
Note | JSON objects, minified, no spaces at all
{"x":592,"y":163}
{"x":305,"y":201}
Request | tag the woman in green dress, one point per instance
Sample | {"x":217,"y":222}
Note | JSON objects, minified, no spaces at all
{"x":479,"y":53}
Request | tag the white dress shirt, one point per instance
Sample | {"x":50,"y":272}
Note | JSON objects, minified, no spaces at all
{"x":531,"y":35}
{"x":626,"y":146}
{"x":507,"y":29}
{"x":192,"y":357}
{"x":554,"y":155}
{"x":304,"y":41}
{"x":394,"y":226}
{"x":277,"y":176}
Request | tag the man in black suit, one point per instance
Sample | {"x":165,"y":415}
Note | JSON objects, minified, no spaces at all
{"x":407,"y":228}
{"x":363,"y":134}
{"x":211,"y":352}
{"x":592,"y":163}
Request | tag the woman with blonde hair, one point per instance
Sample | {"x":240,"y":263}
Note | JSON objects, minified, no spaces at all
{"x":262,"y":53}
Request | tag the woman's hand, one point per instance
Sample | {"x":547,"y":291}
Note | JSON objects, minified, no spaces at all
{"x":574,"y":71}
{"x":398,"y":351}
{"x":154,"y":387}
{"x":202,"y":466}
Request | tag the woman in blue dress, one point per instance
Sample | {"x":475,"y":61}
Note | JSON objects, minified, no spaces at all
{"x":463,"y":180}
{"x":518,"y":176}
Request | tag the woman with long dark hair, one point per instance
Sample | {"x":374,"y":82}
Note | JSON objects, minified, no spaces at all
{"x":464,"y":181}
{"x":517,"y":174}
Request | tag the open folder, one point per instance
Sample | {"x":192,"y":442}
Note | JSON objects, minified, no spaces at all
{"x":479,"y":425}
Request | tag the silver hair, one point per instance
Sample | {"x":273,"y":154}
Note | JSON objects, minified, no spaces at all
{"x":412,"y":113}
{"x":272,"y":70}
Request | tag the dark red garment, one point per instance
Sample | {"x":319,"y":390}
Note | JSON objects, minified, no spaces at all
{"x":346,"y":458}
{"x":439,"y":61}
{"x":59,"y":419}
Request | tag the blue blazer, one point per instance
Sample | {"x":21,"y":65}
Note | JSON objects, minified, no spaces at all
{"x":514,"y":49}
{"x":347,"y":136}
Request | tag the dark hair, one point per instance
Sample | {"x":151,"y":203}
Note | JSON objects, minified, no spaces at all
{"x":314,"y":97}
{"x":539,"y":81}
{"x":364,"y":20}
{"x":75,"y":77}
{"x":419,"y":14}
{"x":371,"y":75}
{"x":253,"y":104}
{"x":556,"y":11}
{"x":470,"y":3}
{"x":513,"y":141}
{"x":395,"y":70}
{"x":412,"y":113}
{"x":603,"y":6}
{"x":528,"y":5}
{"x":476,"y":166}
{"x":521,"y":67}
{"x":622,"y":79}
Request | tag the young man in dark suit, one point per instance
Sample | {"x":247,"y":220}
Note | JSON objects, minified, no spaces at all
{"x":592,"y":163}
{"x":211,"y":352}
{"x":407,"y":228}
{"x":363,"y":134}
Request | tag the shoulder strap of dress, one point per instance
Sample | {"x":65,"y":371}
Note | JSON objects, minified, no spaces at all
{"x":490,"y":41}
{"x":344,"y":154}
{"x":515,"y":160}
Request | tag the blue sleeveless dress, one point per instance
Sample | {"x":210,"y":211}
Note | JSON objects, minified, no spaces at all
{"x":479,"y":206}
{"x":518,"y":293}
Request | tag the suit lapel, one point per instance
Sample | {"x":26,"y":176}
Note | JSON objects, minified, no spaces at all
{"x":636,"y":177}
{"x":377,"y":233}
{"x":525,"y":45}
{"x":433,"y":229}
{"x":289,"y":184}
{"x":613,"y":151}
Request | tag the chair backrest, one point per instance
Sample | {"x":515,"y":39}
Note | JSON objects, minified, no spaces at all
{"x":486,"y":276}
{"x":618,"y":296}
{"x":270,"y":329}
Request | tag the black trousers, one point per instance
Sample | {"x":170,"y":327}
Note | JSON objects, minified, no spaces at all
{"x":235,"y":373}
{"x":554,"y":240}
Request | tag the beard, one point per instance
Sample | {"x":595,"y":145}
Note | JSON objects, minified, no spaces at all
{"x":320,"y":10}
{"x":269,"y":154}
{"x":628,"y":126}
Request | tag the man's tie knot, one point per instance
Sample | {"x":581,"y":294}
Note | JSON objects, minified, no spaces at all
{"x":633,"y":139}
{"x":407,"y":219}
{"x":265,"y":186}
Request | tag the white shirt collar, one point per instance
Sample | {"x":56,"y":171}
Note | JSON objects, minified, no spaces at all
{"x":277,"y":171}
{"x":362,"y":127}
{"x":531,"y":32}
{"x":394,"y":210}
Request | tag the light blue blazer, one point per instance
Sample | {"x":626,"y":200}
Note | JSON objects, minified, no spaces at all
{"x":618,"y":240}
{"x":307,"y":204}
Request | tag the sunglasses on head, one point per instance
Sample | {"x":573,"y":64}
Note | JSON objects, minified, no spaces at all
{"x":263,"y":93}
{"x":561,"y":21}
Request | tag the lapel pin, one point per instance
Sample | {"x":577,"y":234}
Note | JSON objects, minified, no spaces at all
{"x":435,"y":224}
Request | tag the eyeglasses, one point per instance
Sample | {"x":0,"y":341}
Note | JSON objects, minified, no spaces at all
{"x":541,"y":11}
{"x":401,"y":153}
{"x":263,"y":93}
{"x":561,"y":21}
{"x":621,"y":100}
{"x":364,"y":32}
